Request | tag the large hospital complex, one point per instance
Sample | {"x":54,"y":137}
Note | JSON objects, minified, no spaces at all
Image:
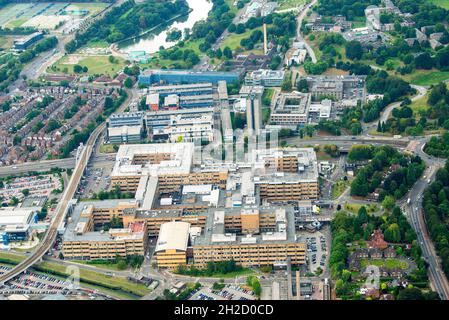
{"x":240,"y":211}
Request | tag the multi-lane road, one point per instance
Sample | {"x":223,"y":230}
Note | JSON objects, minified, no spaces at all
{"x":45,"y":165}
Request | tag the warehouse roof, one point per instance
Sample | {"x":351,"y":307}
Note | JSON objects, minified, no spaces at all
{"x":173,"y":236}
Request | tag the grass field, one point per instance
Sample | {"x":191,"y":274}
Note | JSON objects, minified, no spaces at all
{"x":441,"y":3}
{"x":420,"y":104}
{"x":426,"y":77}
{"x":233,"y":40}
{"x":107,"y":148}
{"x":95,"y":65}
{"x":90,"y":277}
{"x":354,"y":207}
{"x":16,"y":23}
{"x":97,"y":44}
{"x":288,"y":4}
{"x":387,"y":263}
{"x":243,"y":272}
{"x":338,"y":188}
{"x":109,"y":266}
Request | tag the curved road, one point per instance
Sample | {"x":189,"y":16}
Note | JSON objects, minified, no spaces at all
{"x":299,"y":36}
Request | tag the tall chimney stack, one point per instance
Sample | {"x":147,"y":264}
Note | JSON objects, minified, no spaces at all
{"x":265,"y":44}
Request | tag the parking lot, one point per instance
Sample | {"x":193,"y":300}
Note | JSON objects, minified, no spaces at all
{"x":229,"y":292}
{"x":38,"y":284}
{"x":95,"y":180}
{"x":317,"y":251}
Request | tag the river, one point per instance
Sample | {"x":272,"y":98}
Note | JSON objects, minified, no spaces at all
{"x":151,"y":42}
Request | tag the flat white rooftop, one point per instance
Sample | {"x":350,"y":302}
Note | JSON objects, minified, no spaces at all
{"x":179,"y":161}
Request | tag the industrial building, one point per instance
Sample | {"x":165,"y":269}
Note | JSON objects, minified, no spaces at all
{"x":337,"y":87}
{"x":15,"y":224}
{"x":291,"y":109}
{"x":23,"y":43}
{"x":152,"y":77}
{"x":125,"y":134}
{"x":125,"y":127}
{"x":83,"y":240}
{"x":171,"y":163}
{"x":241,"y":235}
{"x":172,"y":97}
{"x":265,"y":77}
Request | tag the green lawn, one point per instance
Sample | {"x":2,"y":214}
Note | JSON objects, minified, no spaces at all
{"x":441,"y":3}
{"x":107,"y":148}
{"x":420,"y":104}
{"x":109,"y":266}
{"x":354,"y":207}
{"x":97,"y":44}
{"x":426,"y":77}
{"x":338,"y":188}
{"x":387,"y":263}
{"x":92,"y":7}
{"x":359,"y":22}
{"x":95,"y":65}
{"x":288,"y":4}
{"x":16,"y":23}
{"x":233,"y":40}
{"x":243,"y":272}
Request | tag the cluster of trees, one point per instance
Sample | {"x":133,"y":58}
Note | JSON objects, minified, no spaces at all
{"x":393,"y":88}
{"x":183,"y":295}
{"x":348,"y":228}
{"x":438,"y":146}
{"x":372,"y":176}
{"x":115,"y":193}
{"x":133,"y":261}
{"x":41,"y":46}
{"x":12,"y":65}
{"x":349,"y":121}
{"x":424,"y":12}
{"x":348,"y":8}
{"x":127,"y":20}
{"x":209,"y":30}
{"x":212,"y":268}
{"x":254,"y":284}
{"x":436,"y":211}
{"x":174,"y":35}
{"x":438,"y":102}
{"x":187,"y":57}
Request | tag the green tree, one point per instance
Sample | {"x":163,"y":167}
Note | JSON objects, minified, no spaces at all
{"x":393,"y":233}
{"x":388,"y":202}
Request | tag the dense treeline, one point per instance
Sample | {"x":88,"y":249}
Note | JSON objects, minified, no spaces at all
{"x":436,"y":211}
{"x":207,"y":32}
{"x":347,"y":228}
{"x":371,"y":176}
{"x":424,"y":12}
{"x":350,"y":120}
{"x":13,"y":65}
{"x":347,"y":8}
{"x":127,"y":20}
{"x":438,"y":146}
{"x":378,"y":82}
{"x":212,"y":268}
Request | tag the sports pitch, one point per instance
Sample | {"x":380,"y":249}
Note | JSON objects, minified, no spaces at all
{"x":45,"y":15}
